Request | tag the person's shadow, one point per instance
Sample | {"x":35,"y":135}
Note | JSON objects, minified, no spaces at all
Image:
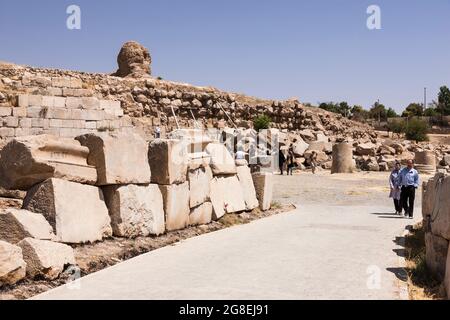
{"x":387,"y":215}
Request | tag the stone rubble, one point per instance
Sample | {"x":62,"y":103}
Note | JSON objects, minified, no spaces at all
{"x":46,"y":258}
{"x":16,"y":225}
{"x":12,"y":265}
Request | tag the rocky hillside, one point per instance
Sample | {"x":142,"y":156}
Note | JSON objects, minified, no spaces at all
{"x":148,"y":103}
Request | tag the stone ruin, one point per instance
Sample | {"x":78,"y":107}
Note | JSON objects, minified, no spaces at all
{"x":436,"y":217}
{"x":95,"y":186}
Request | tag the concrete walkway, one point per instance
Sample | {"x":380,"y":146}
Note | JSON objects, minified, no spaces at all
{"x":315,"y":252}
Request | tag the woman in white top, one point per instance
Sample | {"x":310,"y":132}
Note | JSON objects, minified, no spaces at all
{"x":395,"y":188}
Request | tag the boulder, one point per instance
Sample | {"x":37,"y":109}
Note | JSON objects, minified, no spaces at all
{"x":168,"y":161}
{"x":317,"y":146}
{"x":307,"y":135}
{"x":46,"y":258}
{"x":321,"y":137}
{"x":176,"y":205}
{"x":119,"y":158}
{"x":386,"y":150}
{"x":366,"y":149}
{"x":321,"y":156}
{"x":436,"y":254}
{"x":16,"y":225}
{"x":199,"y":186}
{"x":201,"y":214}
{"x":245,"y":179}
{"x":77,"y":212}
{"x":134,"y":60}
{"x":263,"y":183}
{"x":222,"y":162}
{"x":12,"y":265}
{"x":135,"y":210}
{"x":226,"y":196}
{"x":299,"y":147}
{"x":446,"y":160}
{"x":399,"y":148}
{"x":30,"y":160}
{"x":342,"y":158}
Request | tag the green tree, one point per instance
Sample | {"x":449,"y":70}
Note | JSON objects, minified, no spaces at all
{"x":344,"y":109}
{"x":431,"y":112}
{"x":444,"y":101}
{"x":359,"y":113}
{"x":397,"y":126}
{"x":261,"y":123}
{"x":390,"y":113}
{"x":417,"y":130}
{"x":413,"y":110}
{"x":329,"y":106}
{"x":378,"y":111}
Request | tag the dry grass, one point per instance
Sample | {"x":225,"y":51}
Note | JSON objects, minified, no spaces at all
{"x":421,"y":283}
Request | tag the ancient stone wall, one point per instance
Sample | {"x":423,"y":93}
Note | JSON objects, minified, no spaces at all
{"x":436,"y":215}
{"x":100,"y":185}
{"x":146,"y":103}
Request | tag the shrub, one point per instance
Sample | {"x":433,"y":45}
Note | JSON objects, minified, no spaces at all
{"x":417,"y":130}
{"x":261,"y":122}
{"x":397,"y":126}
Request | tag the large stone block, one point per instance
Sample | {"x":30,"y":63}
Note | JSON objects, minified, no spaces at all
{"x":226,"y":196}
{"x":12,"y":265}
{"x":30,"y":160}
{"x":342,"y":158}
{"x":176,"y":205}
{"x":119,"y":158}
{"x":222,"y":162}
{"x":199,"y":185}
{"x":196,"y":141}
{"x":201,"y":214}
{"x":430,"y":190}
{"x":263,"y":182}
{"x":436,"y":254}
{"x":447,"y":275}
{"x":46,"y":258}
{"x":440,"y":213}
{"x":16,"y":225}
{"x":168,"y":161}
{"x":135,"y":210}
{"x":245,"y":179}
{"x":77,"y":212}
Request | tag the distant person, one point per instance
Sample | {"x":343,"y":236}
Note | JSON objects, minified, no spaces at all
{"x":240,"y":155}
{"x":396,"y":188}
{"x":408,"y":179}
{"x":157,"y":132}
{"x":281,"y":160}
{"x":290,"y":162}
{"x":313,"y":161}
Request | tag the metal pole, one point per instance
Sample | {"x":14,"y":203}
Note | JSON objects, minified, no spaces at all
{"x":425,"y":99}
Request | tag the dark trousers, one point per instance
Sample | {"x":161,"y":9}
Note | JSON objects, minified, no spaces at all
{"x":282,"y":168}
{"x":398,"y":205}
{"x":407,"y":198}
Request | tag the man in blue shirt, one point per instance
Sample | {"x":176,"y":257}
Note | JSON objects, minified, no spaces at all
{"x":408,"y":180}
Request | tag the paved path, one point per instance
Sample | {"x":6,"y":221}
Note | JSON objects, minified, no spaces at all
{"x":318,"y":251}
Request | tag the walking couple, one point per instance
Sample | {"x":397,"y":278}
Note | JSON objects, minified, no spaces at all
{"x":403,"y":183}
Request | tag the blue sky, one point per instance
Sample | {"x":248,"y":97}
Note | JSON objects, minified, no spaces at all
{"x":314,"y":50}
